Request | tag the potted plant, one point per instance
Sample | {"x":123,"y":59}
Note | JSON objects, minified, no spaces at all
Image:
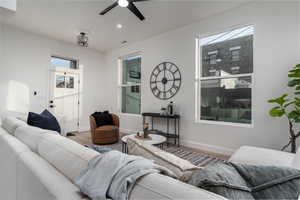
{"x":289,"y":107}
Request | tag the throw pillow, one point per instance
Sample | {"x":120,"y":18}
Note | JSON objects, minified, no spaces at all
{"x":10,"y":124}
{"x":183,"y":169}
{"x":242,"y":181}
{"x":103,"y":118}
{"x":45,"y":120}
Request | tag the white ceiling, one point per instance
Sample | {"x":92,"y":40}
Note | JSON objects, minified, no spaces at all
{"x":64,"y":19}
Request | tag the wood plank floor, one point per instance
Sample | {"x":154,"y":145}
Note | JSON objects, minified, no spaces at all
{"x":84,"y":138}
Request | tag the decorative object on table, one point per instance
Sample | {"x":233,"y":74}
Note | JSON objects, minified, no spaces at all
{"x":145,"y":129}
{"x":105,"y":134}
{"x":165,"y":80}
{"x":153,"y":139}
{"x":289,"y":108}
{"x":45,"y":120}
{"x":171,"y":108}
{"x":143,"y":137}
{"x":165,"y":118}
{"x":163,"y":111}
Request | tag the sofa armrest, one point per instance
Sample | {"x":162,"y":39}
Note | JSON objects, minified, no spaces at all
{"x":262,"y":156}
{"x":116,"y":120}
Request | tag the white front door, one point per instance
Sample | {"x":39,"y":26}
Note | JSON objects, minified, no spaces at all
{"x":64,"y":98}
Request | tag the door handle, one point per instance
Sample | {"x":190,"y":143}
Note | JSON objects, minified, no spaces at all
{"x":52,"y":106}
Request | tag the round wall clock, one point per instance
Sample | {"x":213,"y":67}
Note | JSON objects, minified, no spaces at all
{"x":165,"y":80}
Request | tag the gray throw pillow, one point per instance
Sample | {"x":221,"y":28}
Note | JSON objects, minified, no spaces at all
{"x":241,"y":181}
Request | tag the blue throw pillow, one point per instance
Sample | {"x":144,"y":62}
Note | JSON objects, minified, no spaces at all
{"x":45,"y":120}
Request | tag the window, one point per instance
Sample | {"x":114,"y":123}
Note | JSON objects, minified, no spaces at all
{"x":224,"y":85}
{"x":130,"y":84}
{"x":235,"y":54}
{"x":63,"y":62}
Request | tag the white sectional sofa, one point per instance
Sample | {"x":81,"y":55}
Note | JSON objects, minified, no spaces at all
{"x":41,"y":165}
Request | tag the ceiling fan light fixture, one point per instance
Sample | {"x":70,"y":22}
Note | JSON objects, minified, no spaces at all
{"x":123,"y":3}
{"x":82,"y":40}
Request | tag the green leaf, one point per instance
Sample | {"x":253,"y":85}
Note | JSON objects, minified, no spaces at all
{"x":276,"y":112}
{"x":280,"y":100}
{"x":294,"y":114}
{"x":294,"y":82}
{"x":289,"y":103}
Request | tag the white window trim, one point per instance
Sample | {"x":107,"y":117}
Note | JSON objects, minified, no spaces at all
{"x":121,"y":85}
{"x":199,"y":78}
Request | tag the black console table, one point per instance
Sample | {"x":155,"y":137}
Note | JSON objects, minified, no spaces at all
{"x":168,"y":119}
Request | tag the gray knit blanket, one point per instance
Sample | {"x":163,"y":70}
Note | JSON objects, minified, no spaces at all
{"x":114,"y":174}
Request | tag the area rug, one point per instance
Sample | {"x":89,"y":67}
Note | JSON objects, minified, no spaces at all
{"x":198,"y":159}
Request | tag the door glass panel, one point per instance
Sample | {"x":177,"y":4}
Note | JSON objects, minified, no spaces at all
{"x":70,"y":82}
{"x":60,"y":81}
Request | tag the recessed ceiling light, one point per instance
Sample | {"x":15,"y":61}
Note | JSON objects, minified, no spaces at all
{"x":119,"y":26}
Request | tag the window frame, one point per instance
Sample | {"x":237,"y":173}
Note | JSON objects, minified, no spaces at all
{"x":121,"y":85}
{"x":199,"y":78}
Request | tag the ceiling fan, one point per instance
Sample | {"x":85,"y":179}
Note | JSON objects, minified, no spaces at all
{"x":126,"y":3}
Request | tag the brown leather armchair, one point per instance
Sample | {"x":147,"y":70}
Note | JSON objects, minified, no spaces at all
{"x":105,"y":134}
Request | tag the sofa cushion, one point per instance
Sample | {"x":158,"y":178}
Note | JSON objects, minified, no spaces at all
{"x":182,"y":168}
{"x":10,"y":149}
{"x":296,"y":160}
{"x":242,"y":181}
{"x":10,"y":124}
{"x":262,"y":156}
{"x":45,"y":120}
{"x":38,"y":180}
{"x":69,"y":157}
{"x":31,"y":136}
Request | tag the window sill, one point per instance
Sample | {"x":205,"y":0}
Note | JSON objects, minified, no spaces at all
{"x":225,"y":123}
{"x":130,"y":115}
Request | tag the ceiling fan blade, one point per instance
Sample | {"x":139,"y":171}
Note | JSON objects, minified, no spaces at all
{"x":109,"y":8}
{"x":135,"y":11}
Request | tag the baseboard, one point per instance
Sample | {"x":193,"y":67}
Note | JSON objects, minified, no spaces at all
{"x":196,"y":145}
{"x":208,"y":147}
{"x":84,"y":129}
{"x":127,"y":131}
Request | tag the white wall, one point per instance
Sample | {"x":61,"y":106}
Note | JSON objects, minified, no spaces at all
{"x":276,"y":50}
{"x":24,"y":68}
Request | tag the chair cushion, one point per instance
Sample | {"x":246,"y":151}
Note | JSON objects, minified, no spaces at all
{"x":10,"y":124}
{"x":103,"y":118}
{"x":69,"y":157}
{"x":45,"y":120}
{"x":183,"y":169}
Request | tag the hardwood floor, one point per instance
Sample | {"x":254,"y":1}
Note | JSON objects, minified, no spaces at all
{"x":84,"y":138}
